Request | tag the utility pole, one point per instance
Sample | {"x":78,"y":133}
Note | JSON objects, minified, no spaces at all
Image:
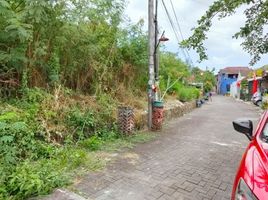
{"x":151,"y":44}
{"x":156,"y":52}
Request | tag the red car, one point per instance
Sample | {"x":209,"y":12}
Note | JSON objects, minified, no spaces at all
{"x":251,"y":181}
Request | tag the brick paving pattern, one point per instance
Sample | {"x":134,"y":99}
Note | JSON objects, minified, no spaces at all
{"x":195,"y":157}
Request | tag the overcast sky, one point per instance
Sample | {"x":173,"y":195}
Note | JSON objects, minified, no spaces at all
{"x":222,"y":49}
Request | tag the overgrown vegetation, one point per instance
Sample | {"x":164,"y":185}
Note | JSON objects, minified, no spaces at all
{"x":41,"y":145}
{"x":65,"y":66}
{"x":206,"y":77}
{"x":79,"y":45}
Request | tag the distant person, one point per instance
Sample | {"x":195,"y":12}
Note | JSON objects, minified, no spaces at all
{"x":210,"y":96}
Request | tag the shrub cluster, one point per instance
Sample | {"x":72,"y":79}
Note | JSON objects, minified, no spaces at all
{"x":33,"y":159}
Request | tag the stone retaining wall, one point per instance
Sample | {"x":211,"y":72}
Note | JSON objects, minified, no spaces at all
{"x":171,"y":110}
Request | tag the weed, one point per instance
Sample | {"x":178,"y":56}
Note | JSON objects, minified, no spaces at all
{"x":83,"y":123}
{"x":93,"y":143}
{"x":35,"y":95}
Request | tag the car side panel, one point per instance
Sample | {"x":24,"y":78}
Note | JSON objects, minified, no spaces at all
{"x":260,"y":173}
{"x":246,"y":168}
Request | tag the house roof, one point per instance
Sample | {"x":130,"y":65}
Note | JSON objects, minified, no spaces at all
{"x":235,"y":70}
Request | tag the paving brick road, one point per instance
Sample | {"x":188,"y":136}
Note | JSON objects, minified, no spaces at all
{"x":195,"y":157}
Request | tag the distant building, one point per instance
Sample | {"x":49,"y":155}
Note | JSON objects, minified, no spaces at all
{"x":227,"y":76}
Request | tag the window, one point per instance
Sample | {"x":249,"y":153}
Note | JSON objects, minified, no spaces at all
{"x":233,"y":76}
{"x":264,"y":135}
{"x":265,"y":130}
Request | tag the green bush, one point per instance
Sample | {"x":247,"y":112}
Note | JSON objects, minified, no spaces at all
{"x":16,"y":141}
{"x":82,"y":122}
{"x":187,"y":94}
{"x":29,"y":164}
{"x":30,"y":178}
{"x":93,"y":143}
{"x":184,"y":95}
{"x":35,"y":95}
{"x":175,"y":88}
{"x":107,"y":104}
{"x":183,"y":92}
{"x":108,"y":133}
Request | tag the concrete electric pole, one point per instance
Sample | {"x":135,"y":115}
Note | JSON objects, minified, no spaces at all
{"x":156,"y":53}
{"x":151,"y":44}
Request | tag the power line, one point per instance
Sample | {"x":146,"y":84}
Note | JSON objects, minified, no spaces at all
{"x":176,"y":19}
{"x":176,"y":34}
{"x":170,"y":20}
{"x":173,"y":27}
{"x":178,"y":24}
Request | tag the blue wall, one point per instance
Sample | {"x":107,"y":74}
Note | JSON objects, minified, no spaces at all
{"x":224,"y":83}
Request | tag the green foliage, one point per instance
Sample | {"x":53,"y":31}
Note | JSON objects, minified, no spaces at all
{"x":93,"y":143}
{"x":101,"y":138}
{"x":187,"y":93}
{"x":70,"y":43}
{"x":80,"y":45}
{"x":173,"y":68}
{"x":8,"y":116}
{"x":35,"y":95}
{"x":208,"y":86}
{"x":253,"y":32}
{"x":134,"y":44}
{"x":29,"y":178}
{"x":16,"y":141}
{"x":206,"y":77}
{"x":174,"y":76}
{"x":31,"y":166}
{"x":244,"y":84}
{"x":54,"y":70}
{"x":107,"y":104}
{"x":83,"y":123}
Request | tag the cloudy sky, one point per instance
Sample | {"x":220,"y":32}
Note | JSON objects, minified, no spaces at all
{"x":222,"y":49}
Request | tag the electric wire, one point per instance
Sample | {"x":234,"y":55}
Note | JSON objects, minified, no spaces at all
{"x":173,"y":28}
{"x":180,"y":31}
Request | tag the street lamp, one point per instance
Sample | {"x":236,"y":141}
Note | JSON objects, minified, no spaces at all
{"x":156,"y":61}
{"x":163,"y":39}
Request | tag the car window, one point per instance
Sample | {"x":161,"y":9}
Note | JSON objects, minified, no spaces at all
{"x":264,"y":134}
{"x":265,"y":130}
